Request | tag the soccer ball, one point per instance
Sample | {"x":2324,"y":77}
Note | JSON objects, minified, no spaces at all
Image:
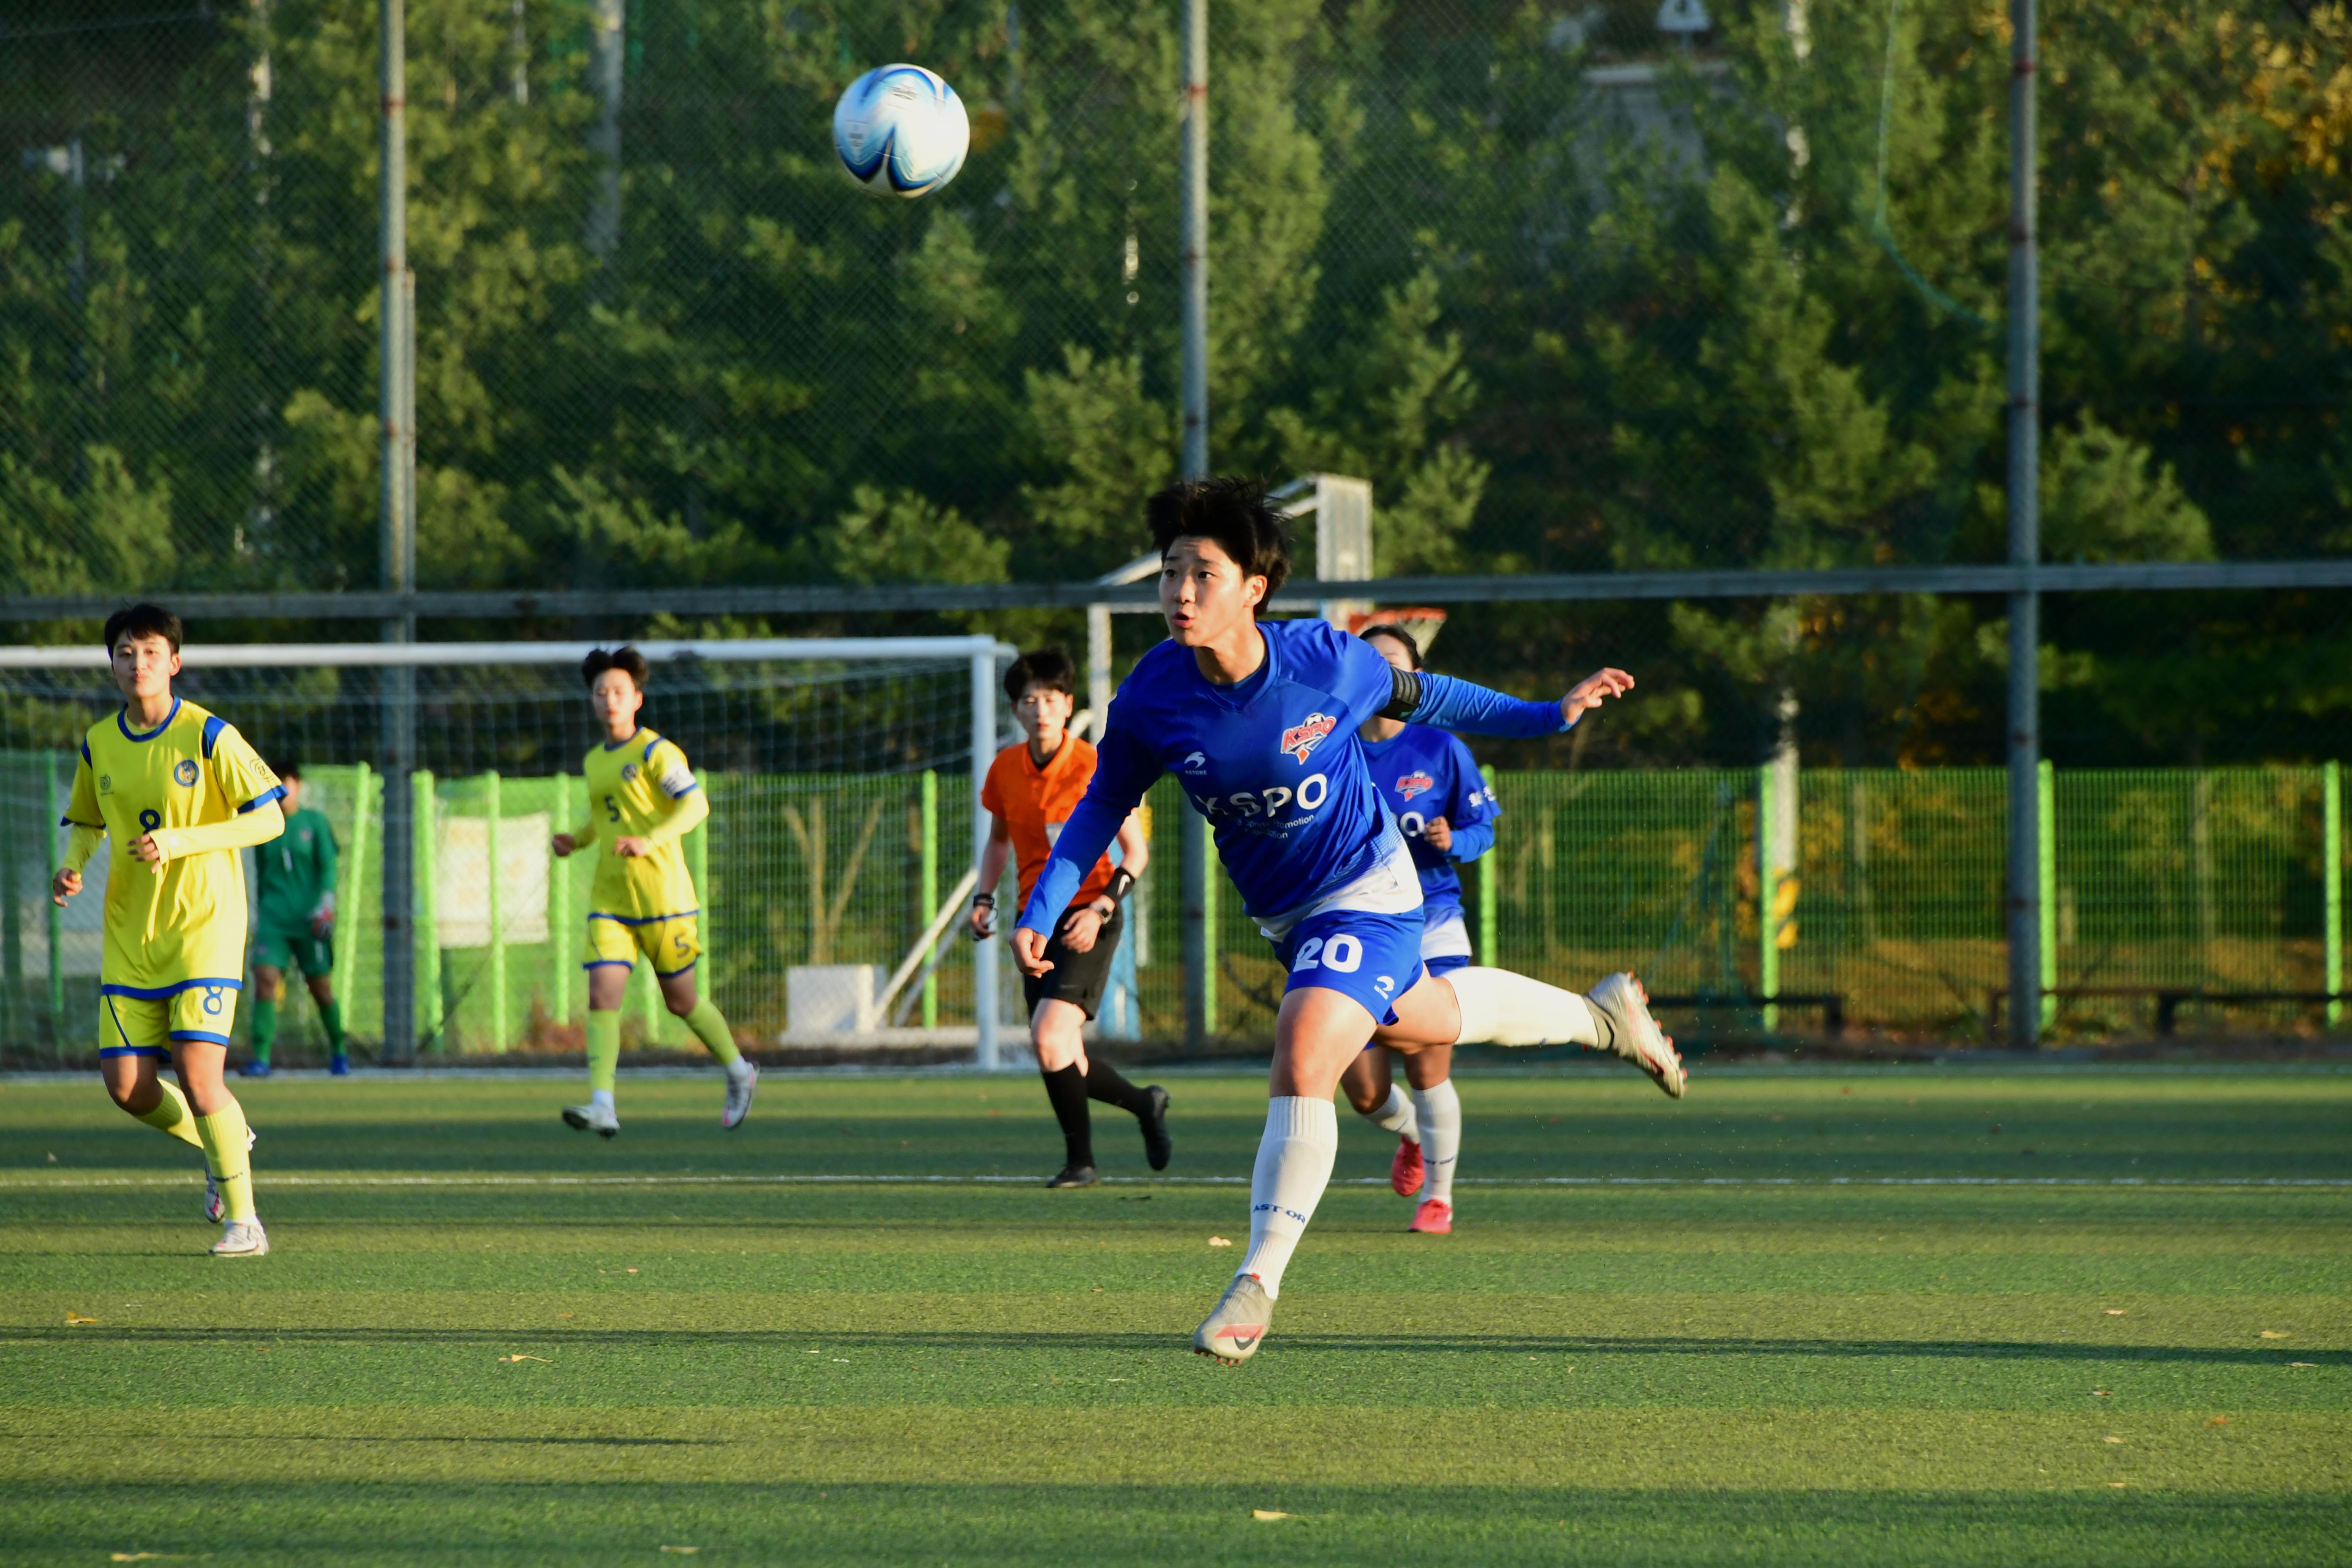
{"x":900,"y":131}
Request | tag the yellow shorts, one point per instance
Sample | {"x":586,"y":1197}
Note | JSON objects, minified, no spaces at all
{"x":670,"y":942}
{"x":133,"y":1026}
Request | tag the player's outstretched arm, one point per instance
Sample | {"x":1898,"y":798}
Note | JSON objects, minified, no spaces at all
{"x":1464,"y":706}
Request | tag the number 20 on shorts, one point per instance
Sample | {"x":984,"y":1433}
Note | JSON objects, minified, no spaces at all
{"x":1342,"y":953}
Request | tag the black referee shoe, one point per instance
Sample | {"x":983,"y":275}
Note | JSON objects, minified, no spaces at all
{"x":1156,"y":1146}
{"x":1075,"y":1176}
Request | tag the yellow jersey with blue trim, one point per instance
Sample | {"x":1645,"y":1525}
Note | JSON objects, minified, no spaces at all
{"x":183,"y":926}
{"x":633,"y":786}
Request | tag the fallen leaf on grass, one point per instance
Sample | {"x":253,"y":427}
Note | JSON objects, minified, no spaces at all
{"x":683,"y":1551}
{"x":75,"y":1317}
{"x":1267,"y":1513}
{"x":526,"y":1358}
{"x":2099,"y":1393}
{"x":2117,"y":1311}
{"x":2119,"y":1485}
{"x":1219,"y":1241}
{"x":2114,"y":1439}
{"x":2218,"y":1420}
{"x":2302,"y":1364}
{"x":2274,"y":1334}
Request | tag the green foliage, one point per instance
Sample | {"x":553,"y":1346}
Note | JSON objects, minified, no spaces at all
{"x":1741,"y":313}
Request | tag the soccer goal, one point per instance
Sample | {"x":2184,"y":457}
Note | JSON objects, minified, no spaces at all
{"x":843,"y":776}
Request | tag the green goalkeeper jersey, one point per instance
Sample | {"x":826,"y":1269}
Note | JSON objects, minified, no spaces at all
{"x":294,"y":874}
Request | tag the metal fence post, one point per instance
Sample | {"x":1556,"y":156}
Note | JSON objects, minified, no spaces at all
{"x":347,"y":908}
{"x":493,"y":808}
{"x":558,"y":912}
{"x":1767,"y":894}
{"x":2045,"y":858}
{"x":52,"y":813}
{"x":2025,"y":911}
{"x":984,"y":956}
{"x":2331,"y":875}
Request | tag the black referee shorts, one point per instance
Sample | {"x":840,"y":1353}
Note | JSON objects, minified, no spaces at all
{"x":1077,"y":978}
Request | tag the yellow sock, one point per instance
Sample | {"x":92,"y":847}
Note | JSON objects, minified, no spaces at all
{"x":603,"y":1049}
{"x":710,"y":1026}
{"x":171,"y":1115}
{"x":225,"y":1150}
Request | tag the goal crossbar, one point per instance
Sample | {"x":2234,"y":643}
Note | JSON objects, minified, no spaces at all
{"x":390,"y":655}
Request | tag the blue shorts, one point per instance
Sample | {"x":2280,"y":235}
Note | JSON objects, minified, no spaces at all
{"x":1447,"y":964}
{"x":1371,"y":958}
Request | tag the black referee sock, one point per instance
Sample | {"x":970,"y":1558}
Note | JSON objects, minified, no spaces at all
{"x":1066,"y":1090}
{"x":1104,"y":1083}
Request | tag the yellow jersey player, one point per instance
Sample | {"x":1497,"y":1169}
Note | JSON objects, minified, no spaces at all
{"x":182,"y":793}
{"x":642,"y":800}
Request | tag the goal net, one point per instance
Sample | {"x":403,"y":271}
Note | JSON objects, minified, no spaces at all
{"x":843,"y":793}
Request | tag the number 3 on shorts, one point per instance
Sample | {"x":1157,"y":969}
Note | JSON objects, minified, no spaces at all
{"x":1342,"y":953}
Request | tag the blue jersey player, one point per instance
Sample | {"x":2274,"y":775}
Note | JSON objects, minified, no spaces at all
{"x":1259,"y":723}
{"x":1432,"y":787}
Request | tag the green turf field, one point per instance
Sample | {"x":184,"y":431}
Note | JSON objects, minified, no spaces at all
{"x":1903,"y":1316}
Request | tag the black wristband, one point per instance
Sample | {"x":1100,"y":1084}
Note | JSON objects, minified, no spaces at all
{"x":978,"y":899}
{"x":1405,"y":694}
{"x":1121,"y":884}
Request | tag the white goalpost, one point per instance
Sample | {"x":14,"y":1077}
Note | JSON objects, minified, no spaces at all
{"x":812,"y":743}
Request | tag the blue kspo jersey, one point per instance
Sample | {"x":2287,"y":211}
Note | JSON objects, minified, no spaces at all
{"x":1423,"y":774}
{"x":1274,"y":763}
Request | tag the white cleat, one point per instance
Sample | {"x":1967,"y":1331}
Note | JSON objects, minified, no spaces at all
{"x":593,"y":1118}
{"x":215,"y":1210}
{"x":1623,"y":1009}
{"x":738,"y":1097}
{"x":1233,"y":1331}
{"x":242,"y":1238}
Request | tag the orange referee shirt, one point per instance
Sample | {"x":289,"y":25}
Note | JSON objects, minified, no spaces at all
{"x":1034,"y":802}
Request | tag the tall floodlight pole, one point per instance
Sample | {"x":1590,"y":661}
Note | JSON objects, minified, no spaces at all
{"x":397,"y":540}
{"x":2025,"y":913}
{"x":1193,"y":848}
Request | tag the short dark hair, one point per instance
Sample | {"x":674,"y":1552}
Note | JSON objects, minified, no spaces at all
{"x":1234,"y":510}
{"x":143,"y":621}
{"x":287,"y":770}
{"x":1404,"y":638}
{"x":1051,"y":667}
{"x":627,"y":660}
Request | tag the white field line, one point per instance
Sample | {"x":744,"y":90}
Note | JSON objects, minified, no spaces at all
{"x":30,"y":1181}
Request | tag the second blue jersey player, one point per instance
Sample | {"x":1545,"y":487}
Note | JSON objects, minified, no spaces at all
{"x":1258,"y":723}
{"x":1432,"y":785}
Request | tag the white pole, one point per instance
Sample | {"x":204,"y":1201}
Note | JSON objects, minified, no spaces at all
{"x":1097,"y":669}
{"x":984,"y":955}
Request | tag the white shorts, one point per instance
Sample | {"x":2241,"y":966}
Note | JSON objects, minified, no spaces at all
{"x":1446,"y":937}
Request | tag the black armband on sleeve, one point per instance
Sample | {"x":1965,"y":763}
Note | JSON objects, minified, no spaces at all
{"x":1121,"y":884}
{"x":1404,"y":695}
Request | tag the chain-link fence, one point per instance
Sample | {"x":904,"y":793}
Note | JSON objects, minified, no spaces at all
{"x":2183,"y":900}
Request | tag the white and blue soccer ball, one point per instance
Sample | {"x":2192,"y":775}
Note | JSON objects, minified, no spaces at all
{"x":901,"y":130}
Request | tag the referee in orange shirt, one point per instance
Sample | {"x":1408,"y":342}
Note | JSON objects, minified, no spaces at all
{"x":1030,"y":792}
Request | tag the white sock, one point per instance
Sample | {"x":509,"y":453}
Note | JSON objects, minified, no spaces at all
{"x":602,"y":1096}
{"x":1396,"y":1116}
{"x":739,"y":1069}
{"x":1501,"y":1008}
{"x":1294,"y":1166}
{"x":1441,"y":1139}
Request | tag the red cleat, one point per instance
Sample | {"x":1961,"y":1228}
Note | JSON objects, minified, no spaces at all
{"x":1406,"y":1170}
{"x":1433,"y":1217}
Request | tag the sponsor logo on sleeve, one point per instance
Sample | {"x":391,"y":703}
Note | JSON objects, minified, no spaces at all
{"x":1303,"y":738}
{"x":1411,"y":784}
